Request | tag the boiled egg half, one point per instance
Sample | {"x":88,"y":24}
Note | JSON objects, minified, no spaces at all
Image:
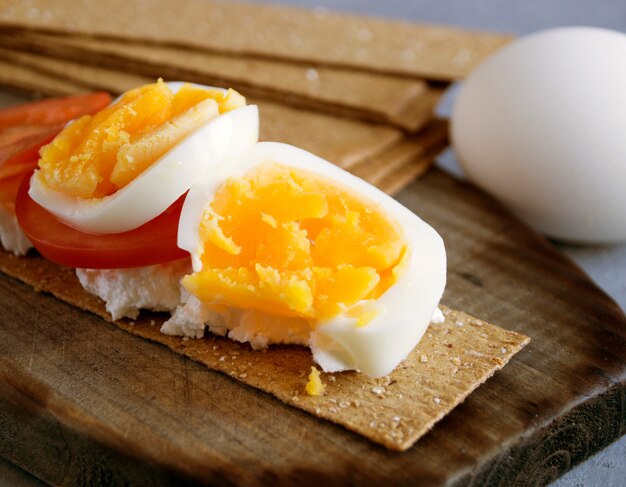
{"x":288,"y":248}
{"x":120,"y":168}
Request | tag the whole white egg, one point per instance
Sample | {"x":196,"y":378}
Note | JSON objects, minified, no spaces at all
{"x":541,"y":125}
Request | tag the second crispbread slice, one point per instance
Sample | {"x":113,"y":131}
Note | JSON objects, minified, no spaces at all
{"x":402,"y":102}
{"x":394,"y":161}
{"x":379,"y":157}
{"x":340,"y":140}
{"x":452,"y":360}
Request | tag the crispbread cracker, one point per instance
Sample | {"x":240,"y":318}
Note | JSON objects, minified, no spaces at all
{"x":405,"y":174}
{"x":317,"y":36}
{"x":403,"y":102}
{"x":342,"y":141}
{"x":25,"y":79}
{"x":309,"y":130}
{"x":387,"y":160}
{"x":452,"y":360}
{"x":428,"y":144}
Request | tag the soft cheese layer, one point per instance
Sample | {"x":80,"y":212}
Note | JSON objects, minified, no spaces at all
{"x":11,"y":236}
{"x":127,"y":291}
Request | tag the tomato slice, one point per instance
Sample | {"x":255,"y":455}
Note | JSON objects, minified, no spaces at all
{"x":21,"y":163}
{"x":27,"y":147}
{"x":19,"y":135}
{"x":25,"y":128}
{"x":8,"y":171}
{"x":53,"y":110}
{"x":152,"y":243}
{"x":8,"y":190}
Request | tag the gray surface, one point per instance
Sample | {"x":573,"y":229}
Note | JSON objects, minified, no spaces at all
{"x":518,"y":17}
{"x":606,"y":265}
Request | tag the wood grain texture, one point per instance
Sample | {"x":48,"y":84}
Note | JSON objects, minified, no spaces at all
{"x":560,"y":400}
{"x":451,"y":360}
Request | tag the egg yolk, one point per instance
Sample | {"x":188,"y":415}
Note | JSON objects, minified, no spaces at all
{"x":288,"y":242}
{"x":97,"y":155}
{"x":315,"y":386}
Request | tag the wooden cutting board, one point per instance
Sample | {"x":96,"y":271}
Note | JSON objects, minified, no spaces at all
{"x":84,"y":403}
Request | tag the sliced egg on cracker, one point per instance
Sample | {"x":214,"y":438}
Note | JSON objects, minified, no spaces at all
{"x":120,"y":168}
{"x":288,"y":248}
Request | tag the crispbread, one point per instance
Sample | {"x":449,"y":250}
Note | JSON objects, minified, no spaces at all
{"x":346,"y":145}
{"x":403,"y":102}
{"x":424,"y":147}
{"x":340,"y":140}
{"x":404,"y":174}
{"x":317,"y":36}
{"x":25,"y":79}
{"x":452,"y":360}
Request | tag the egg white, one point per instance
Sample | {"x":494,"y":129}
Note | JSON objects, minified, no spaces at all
{"x":160,"y":185}
{"x":404,"y":310}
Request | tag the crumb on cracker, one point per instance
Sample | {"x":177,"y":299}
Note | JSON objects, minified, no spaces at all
{"x":378,"y":391}
{"x":314,"y":387}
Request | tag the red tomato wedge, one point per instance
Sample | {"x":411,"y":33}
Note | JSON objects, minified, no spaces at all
{"x":8,"y":190}
{"x":27,"y":147}
{"x":10,"y":170}
{"x":25,"y":128}
{"x":152,"y":243}
{"x":19,"y":135}
{"x":21,"y":162}
{"x":53,"y":111}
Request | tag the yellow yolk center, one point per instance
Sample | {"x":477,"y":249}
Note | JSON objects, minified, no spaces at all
{"x":288,"y":242}
{"x":315,"y":386}
{"x":96,"y":155}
